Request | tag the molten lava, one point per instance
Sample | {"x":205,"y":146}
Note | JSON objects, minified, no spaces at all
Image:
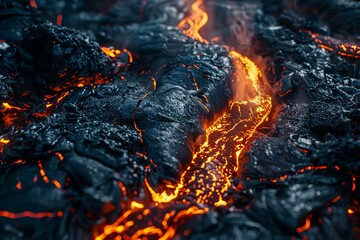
{"x":191,"y":25}
{"x":208,"y":175}
{"x":113,"y":53}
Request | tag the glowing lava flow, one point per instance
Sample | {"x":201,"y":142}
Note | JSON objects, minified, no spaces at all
{"x":28,"y":214}
{"x":208,"y":175}
{"x":191,"y":25}
{"x":163,"y":229}
{"x":334,"y":45}
{"x":113,"y":53}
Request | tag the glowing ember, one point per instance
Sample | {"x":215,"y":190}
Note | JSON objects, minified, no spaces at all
{"x":59,"y":155}
{"x":4,"y":140}
{"x":7,"y":106}
{"x":334,"y":45}
{"x":59,"y":19}
{"x":57,"y":184}
{"x":154,"y":83}
{"x":305,"y":227}
{"x":111,"y":52}
{"x":33,"y":3}
{"x":28,"y":214}
{"x":136,"y":205}
{"x":42,"y":172}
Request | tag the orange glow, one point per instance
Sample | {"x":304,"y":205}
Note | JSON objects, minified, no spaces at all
{"x":59,"y":19}
{"x":350,"y":211}
{"x":305,"y":227}
{"x":18,"y":185}
{"x":122,"y":188}
{"x":62,"y":96}
{"x":26,"y":214}
{"x":334,"y":45}
{"x":126,"y":228}
{"x":19,"y":162}
{"x":353,"y":184}
{"x":11,"y":114}
{"x":131,"y":59}
{"x":192,"y":24}
{"x":59,"y":155}
{"x":146,"y":232}
{"x":204,"y":105}
{"x":111,"y":52}
{"x":136,"y":205}
{"x":114,"y":53}
{"x":33,"y":3}
{"x":8,"y":107}
{"x":134,"y":120}
{"x":57,"y":184}
{"x":48,"y":105}
{"x":336,"y":199}
{"x":42,"y":172}
{"x":154,"y":83}
{"x":4,"y":140}
{"x":116,"y":227}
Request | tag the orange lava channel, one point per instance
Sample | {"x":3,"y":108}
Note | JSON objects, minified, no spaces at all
{"x":208,"y":175}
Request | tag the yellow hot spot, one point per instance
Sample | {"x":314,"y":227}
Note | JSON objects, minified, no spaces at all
{"x":136,"y":205}
{"x":4,"y":140}
{"x":110,"y":51}
{"x":8,"y":106}
{"x":147,"y":231}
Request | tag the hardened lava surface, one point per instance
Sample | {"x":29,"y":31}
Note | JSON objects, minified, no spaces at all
{"x":191,"y":119}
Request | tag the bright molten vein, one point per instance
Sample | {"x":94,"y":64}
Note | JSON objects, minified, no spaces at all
{"x":208,"y":175}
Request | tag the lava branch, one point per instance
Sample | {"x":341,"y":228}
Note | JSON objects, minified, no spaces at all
{"x":191,"y":25}
{"x":163,"y":229}
{"x":335,"y":45}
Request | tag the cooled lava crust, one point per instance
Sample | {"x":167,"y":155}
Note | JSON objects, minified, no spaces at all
{"x":122,"y":119}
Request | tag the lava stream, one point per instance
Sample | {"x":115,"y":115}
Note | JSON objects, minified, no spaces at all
{"x":208,"y":175}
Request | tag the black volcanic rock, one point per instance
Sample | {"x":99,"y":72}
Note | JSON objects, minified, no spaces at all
{"x":90,"y":129}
